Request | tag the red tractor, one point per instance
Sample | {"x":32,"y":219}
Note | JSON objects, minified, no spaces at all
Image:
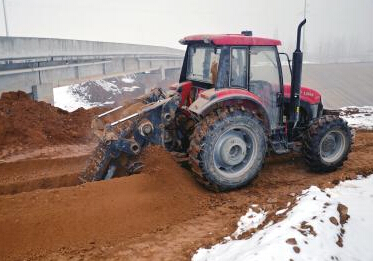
{"x":230,"y":108}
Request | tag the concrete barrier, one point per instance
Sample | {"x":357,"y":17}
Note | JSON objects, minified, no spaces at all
{"x":38,"y":64}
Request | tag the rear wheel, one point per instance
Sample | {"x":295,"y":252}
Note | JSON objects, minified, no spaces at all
{"x":227,"y":149}
{"x":327,"y":143}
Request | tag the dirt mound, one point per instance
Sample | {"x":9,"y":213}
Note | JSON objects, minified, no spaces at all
{"x":93,"y":214}
{"x":24,"y":122}
{"x":12,"y":96}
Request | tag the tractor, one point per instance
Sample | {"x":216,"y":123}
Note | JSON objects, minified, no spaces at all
{"x":228,"y":111}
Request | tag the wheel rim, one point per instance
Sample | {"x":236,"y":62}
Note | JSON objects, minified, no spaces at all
{"x":234,"y":151}
{"x":332,"y":146}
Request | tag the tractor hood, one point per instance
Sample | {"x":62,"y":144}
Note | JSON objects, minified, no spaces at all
{"x":306,"y":94}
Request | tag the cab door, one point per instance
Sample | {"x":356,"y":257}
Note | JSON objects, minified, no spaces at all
{"x":265,"y":80}
{"x":257,"y":69}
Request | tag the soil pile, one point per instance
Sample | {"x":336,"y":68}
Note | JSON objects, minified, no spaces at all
{"x":24,"y":122}
{"x":96,"y":213}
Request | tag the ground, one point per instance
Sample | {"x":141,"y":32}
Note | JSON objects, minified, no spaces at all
{"x":159,"y":214}
{"x":323,"y":224}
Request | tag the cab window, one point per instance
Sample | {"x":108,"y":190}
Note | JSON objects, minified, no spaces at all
{"x":264,"y":67}
{"x":203,"y":64}
{"x":238,"y":76}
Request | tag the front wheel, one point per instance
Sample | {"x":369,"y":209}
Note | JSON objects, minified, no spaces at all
{"x":327,"y":143}
{"x":227,"y":149}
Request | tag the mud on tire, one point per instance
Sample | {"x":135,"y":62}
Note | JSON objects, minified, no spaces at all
{"x":327,"y":143}
{"x":227,"y":149}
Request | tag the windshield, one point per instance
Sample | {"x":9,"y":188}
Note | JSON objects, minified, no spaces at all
{"x":203,"y":64}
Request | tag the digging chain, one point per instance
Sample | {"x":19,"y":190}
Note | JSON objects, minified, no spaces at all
{"x":98,"y":163}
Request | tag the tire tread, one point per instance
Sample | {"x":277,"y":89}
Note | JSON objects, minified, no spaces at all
{"x":313,"y":136}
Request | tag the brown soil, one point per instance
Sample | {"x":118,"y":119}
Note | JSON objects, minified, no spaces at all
{"x":40,"y":174}
{"x":27,"y":123}
{"x":160,"y":214}
{"x":98,"y":213}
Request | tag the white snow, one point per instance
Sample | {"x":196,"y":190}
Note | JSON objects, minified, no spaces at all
{"x":361,"y":118}
{"x":108,"y":86}
{"x":317,"y":237}
{"x":251,"y":220}
{"x":128,"y":79}
{"x":129,"y":89}
{"x":358,"y":196}
{"x":66,"y":100}
{"x":281,"y":211}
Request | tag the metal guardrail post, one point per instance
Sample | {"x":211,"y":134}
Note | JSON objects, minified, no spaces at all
{"x":5,"y":20}
{"x":34,"y":91}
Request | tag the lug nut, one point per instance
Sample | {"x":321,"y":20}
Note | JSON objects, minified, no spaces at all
{"x":135,"y":148}
{"x":167,"y":116}
{"x":146,"y":128}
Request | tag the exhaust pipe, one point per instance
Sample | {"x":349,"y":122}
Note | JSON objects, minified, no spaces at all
{"x":296,"y":80}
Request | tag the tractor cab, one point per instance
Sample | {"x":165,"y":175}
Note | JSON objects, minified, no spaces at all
{"x":238,"y":62}
{"x":248,"y":68}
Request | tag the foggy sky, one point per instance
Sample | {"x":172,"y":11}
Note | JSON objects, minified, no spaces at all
{"x":336,"y":30}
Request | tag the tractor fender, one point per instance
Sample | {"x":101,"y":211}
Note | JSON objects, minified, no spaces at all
{"x":212,"y":99}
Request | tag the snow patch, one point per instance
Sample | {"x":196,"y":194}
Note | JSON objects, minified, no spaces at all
{"x":128,"y":79}
{"x":357,"y":195}
{"x":114,"y":89}
{"x":281,"y":211}
{"x":130,"y":89}
{"x":358,"y":117}
{"x":65,"y":99}
{"x":93,"y":93}
{"x":311,"y":229}
{"x":250,"y":220}
{"x":108,"y":86}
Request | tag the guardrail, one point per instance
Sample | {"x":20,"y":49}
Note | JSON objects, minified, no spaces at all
{"x":40,"y":64}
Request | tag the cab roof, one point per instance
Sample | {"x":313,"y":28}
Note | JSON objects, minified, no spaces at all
{"x":229,"y":39}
